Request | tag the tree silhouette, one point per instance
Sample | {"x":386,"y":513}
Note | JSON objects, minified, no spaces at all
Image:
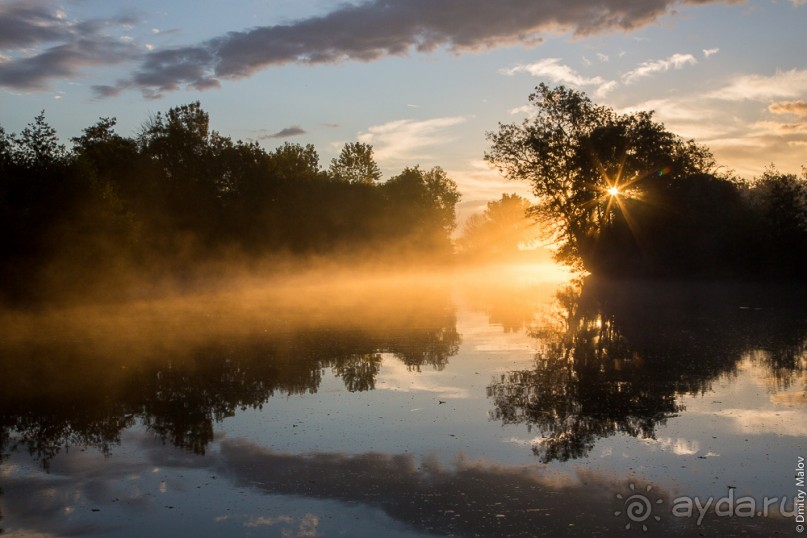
{"x":38,"y":145}
{"x":613,"y":190}
{"x":355,"y":164}
{"x":422,"y":207}
{"x":779,"y":207}
{"x":500,"y":229}
{"x":178,"y":201}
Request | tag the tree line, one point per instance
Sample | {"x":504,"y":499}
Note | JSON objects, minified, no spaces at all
{"x":616,"y":194}
{"x":620,"y":195}
{"x":178,"y":195}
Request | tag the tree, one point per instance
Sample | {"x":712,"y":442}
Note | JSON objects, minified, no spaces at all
{"x":5,"y":149}
{"x":110,"y":155}
{"x":294,"y":162}
{"x":584,"y":162}
{"x":38,"y":146}
{"x":355,"y":164}
{"x":778,"y":202}
{"x":443,"y":197}
{"x":500,"y":229}
{"x":423,"y":206}
{"x":178,"y":140}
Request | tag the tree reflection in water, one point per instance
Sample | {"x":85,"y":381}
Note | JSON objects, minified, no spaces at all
{"x":80,"y":390}
{"x":617,"y":357}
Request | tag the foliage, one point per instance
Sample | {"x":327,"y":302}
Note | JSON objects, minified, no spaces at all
{"x":425,"y":201}
{"x":778,"y":203}
{"x":37,"y":145}
{"x":500,"y":229}
{"x":620,"y":195}
{"x":179,"y":195}
{"x":355,"y":164}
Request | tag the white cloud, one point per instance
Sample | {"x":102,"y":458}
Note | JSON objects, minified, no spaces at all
{"x":606,"y":88}
{"x":710,"y":52}
{"x":782,"y":85}
{"x":646,"y":69}
{"x":406,"y":139}
{"x":555,"y":71}
{"x":603,"y":57}
{"x":524,"y":109}
{"x":669,"y":109}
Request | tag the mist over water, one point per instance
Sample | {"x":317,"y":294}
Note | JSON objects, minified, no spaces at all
{"x":486,"y":399}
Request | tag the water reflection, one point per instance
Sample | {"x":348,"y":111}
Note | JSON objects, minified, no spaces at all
{"x":69,"y":378}
{"x":616,"y":357}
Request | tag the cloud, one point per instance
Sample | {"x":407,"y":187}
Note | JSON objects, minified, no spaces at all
{"x":405,"y":139}
{"x":41,"y":44}
{"x":552,"y":69}
{"x":781,"y":85}
{"x":776,"y":128}
{"x":646,"y":69}
{"x":710,"y":52}
{"x":523,"y":109}
{"x":796,"y":108}
{"x":555,"y":71}
{"x":294,"y":130}
{"x":62,"y":61}
{"x":379,"y":28}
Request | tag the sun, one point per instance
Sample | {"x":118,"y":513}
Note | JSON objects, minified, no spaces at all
{"x":613,"y":191}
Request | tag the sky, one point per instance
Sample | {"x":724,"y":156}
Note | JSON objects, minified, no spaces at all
{"x":423,"y":81}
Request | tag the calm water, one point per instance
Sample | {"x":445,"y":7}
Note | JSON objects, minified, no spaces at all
{"x":491,"y":403}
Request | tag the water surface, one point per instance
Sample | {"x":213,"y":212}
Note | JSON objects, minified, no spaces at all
{"x":503,"y":401}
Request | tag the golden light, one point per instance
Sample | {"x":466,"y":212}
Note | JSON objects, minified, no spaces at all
{"x":613,"y":191}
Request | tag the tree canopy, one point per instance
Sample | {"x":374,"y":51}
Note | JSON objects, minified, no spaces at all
{"x":500,"y":230}
{"x":355,"y":164}
{"x":619,"y":194}
{"x":180,"y":196}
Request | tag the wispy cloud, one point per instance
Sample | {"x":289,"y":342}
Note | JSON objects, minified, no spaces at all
{"x":781,"y":85}
{"x":523,"y":109}
{"x":777,"y":128}
{"x":288,"y":132}
{"x":407,"y":139}
{"x":796,"y":108}
{"x":650,"y":68}
{"x":710,"y":52}
{"x":555,"y":71}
